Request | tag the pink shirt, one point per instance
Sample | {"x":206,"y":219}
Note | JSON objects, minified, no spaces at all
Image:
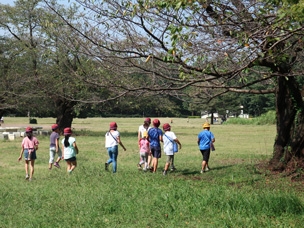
{"x":29,"y":143}
{"x":144,"y":145}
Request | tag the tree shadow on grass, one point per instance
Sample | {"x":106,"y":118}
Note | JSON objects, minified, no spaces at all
{"x":192,"y":172}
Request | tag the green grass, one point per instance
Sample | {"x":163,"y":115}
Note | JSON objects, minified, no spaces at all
{"x":235,"y":193}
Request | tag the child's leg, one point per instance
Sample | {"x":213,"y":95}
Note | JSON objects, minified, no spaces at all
{"x":52,"y":155}
{"x":73,"y":165}
{"x":32,"y":168}
{"x":146,"y":161}
{"x":149,"y":160}
{"x":26,"y":168}
{"x":155,"y":164}
{"x":167,"y":166}
{"x":59,"y":155}
{"x":168,"y":161}
{"x":69,"y":165}
{"x":114,"y":159}
{"x":172,"y":163}
{"x":142,"y":158}
{"x":110,"y":160}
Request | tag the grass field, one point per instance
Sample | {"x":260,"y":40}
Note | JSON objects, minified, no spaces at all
{"x":235,"y":193}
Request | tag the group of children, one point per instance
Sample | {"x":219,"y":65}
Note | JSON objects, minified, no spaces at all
{"x":149,"y":143}
{"x":29,"y":146}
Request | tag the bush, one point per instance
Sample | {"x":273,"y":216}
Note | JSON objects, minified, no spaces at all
{"x":33,"y":121}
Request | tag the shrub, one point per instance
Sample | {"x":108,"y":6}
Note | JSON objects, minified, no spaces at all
{"x":33,"y":121}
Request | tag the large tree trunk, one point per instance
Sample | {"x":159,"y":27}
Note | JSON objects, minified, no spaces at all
{"x":289,"y":143}
{"x":65,"y":113}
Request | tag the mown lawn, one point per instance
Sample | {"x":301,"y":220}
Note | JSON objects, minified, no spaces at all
{"x":235,"y":193}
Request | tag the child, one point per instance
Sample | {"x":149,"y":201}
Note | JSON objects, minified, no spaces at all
{"x":144,"y":128}
{"x":204,"y":140}
{"x":112,"y":139}
{"x":69,"y":149}
{"x":168,"y":139}
{"x":54,"y":147}
{"x":155,"y":136}
{"x":29,"y":146}
{"x":144,"y":150}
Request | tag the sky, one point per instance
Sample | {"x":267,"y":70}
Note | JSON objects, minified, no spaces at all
{"x":11,"y":2}
{"x":6,"y":2}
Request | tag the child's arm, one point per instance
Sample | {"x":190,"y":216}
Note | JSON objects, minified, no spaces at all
{"x":76,"y":148}
{"x":62,"y":151}
{"x":120,"y":143}
{"x":21,"y":153}
{"x":57,"y":145}
{"x":178,"y":142}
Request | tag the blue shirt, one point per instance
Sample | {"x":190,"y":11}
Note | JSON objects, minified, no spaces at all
{"x":154,"y":134}
{"x":205,"y":138}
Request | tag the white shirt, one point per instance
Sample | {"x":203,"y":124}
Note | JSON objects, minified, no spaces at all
{"x":110,"y":141}
{"x":141,"y":129}
{"x":168,"y":145}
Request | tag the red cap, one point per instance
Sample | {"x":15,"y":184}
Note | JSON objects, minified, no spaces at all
{"x":28,"y":129}
{"x":54,"y":126}
{"x":148,"y":120}
{"x":166,"y":127}
{"x":113,"y":126}
{"x":156,"y":123}
{"x":67,"y":131}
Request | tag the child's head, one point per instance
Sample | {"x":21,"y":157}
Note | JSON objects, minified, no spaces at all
{"x":145,"y":134}
{"x":113,"y":126}
{"x":147,"y":121}
{"x":166,"y":127}
{"x":156,"y":123}
{"x":55,"y":127}
{"x":67,"y":131}
{"x":206,"y":126}
{"x":29,"y":132}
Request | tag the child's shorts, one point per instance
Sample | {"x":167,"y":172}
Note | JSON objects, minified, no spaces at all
{"x":32,"y":155}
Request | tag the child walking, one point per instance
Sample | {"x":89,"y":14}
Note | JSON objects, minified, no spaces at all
{"x":69,"y":149}
{"x":144,"y":128}
{"x":54,"y":147}
{"x":112,"y":139}
{"x":204,"y":140}
{"x":29,"y":146}
{"x":155,"y":136}
{"x":169,"y":138}
{"x":144,"y":150}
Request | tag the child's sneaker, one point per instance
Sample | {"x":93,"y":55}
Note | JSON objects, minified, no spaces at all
{"x":70,"y":171}
{"x":165,"y":172}
{"x":139,"y":166}
{"x":27,"y":177}
{"x":56,"y":164}
{"x":202,"y":171}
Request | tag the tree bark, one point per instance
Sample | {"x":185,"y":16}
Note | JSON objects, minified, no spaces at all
{"x":65,"y":113}
{"x":289,"y":141}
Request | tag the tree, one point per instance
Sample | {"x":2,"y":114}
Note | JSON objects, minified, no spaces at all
{"x":213,"y":46}
{"x":38,"y":66}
